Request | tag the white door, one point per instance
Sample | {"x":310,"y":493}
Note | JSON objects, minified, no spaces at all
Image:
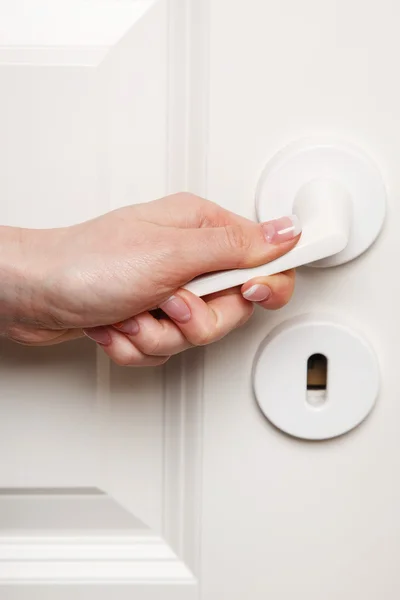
{"x":169,"y":483}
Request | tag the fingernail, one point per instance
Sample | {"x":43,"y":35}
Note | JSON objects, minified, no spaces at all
{"x":257,"y":293}
{"x":281,"y":230}
{"x":176,"y":308}
{"x":99,"y":335}
{"x":130,"y":326}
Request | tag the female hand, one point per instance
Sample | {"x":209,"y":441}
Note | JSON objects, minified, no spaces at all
{"x":103,"y":278}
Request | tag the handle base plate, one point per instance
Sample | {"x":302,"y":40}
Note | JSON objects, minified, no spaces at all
{"x":306,"y":160}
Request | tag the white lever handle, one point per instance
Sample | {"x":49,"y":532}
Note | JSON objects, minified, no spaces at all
{"x":324,"y":210}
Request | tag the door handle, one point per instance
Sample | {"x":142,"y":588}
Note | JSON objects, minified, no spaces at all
{"x":338,"y":195}
{"x":323,"y":208}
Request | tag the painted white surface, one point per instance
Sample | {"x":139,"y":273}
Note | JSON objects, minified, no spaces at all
{"x":199,"y":95}
{"x":295,"y":519}
{"x":64,"y":32}
{"x":79,"y":141}
{"x":80,"y":138}
{"x":283,"y":184}
{"x":280,"y":377}
{"x":72,"y":23}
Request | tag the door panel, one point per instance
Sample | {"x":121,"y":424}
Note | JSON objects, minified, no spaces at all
{"x":292,"y":518}
{"x":209,"y":499}
{"x":86,"y":126}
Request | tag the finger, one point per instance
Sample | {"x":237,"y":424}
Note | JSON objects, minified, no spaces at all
{"x":121,"y":350}
{"x":270,"y":292}
{"x":234,"y":246}
{"x":187,"y":211}
{"x":154,"y":337}
{"x":206,"y":322}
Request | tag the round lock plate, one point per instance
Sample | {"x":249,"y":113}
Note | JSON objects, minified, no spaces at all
{"x":281,"y":378}
{"x":304,"y":161}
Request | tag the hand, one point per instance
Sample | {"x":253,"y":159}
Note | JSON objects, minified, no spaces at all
{"x":105,"y":278}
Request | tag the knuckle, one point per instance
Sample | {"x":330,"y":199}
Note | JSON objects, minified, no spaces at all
{"x":139,"y":360}
{"x":206,"y":212}
{"x":127,"y":360}
{"x":202,"y":338}
{"x":210,"y":214}
{"x":247,"y":314}
{"x":236,"y":238}
{"x":188,"y":197}
{"x":121,"y":361}
{"x":150,"y":346}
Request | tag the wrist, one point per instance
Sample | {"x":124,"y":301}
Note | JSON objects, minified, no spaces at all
{"x":21,"y":274}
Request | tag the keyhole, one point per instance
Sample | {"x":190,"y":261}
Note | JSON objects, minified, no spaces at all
{"x":317,"y":378}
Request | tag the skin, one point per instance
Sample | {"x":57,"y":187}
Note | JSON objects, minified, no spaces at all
{"x":92,"y":278}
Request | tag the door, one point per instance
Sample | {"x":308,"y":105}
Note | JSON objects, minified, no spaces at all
{"x":170,"y":482}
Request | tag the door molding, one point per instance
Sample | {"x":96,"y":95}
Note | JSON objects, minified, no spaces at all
{"x":141,"y":556}
{"x":79,"y":535}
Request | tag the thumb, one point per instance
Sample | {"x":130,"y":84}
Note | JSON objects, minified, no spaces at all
{"x":236,"y":246}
